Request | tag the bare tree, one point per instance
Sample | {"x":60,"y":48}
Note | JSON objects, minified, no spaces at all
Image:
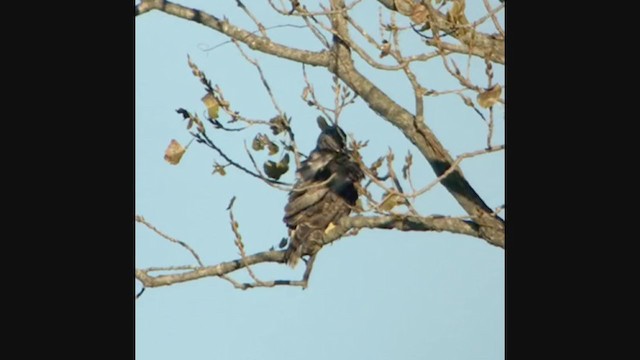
{"x":388,"y":193}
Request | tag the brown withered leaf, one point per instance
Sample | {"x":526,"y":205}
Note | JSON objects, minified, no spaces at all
{"x":212,"y":105}
{"x":456,"y":14}
{"x":258,"y":142}
{"x":174,"y":152}
{"x":271,"y":169}
{"x":200,"y":126}
{"x":358,"y":206}
{"x":278,"y":124}
{"x":490,"y":96}
{"x":419,"y":14}
{"x":404,"y":7}
{"x":273,"y":148}
{"x":391,"y":201}
{"x":276,"y":169}
{"x":217,"y":168}
{"x":305,"y":93}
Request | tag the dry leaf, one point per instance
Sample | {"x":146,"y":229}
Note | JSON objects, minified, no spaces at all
{"x":386,"y":47}
{"x":358,"y":206}
{"x":456,"y":14}
{"x":275,"y":170}
{"x":217,"y":168}
{"x":174,"y":152}
{"x":391,"y":201}
{"x":404,"y":7}
{"x":273,"y":148}
{"x":419,"y":14}
{"x":491,"y":96}
{"x":278,"y":124}
{"x":212,"y":105}
{"x":258,"y":142}
{"x":305,"y":93}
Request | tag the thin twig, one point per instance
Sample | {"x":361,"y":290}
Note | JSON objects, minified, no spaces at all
{"x":490,"y":130}
{"x":268,"y":181}
{"x":254,"y":62}
{"x":206,"y":49}
{"x":307,"y":271}
{"x":240,"y":245}
{"x":141,"y":220}
{"x":171,"y":268}
{"x":140,"y":293}
{"x":311,"y":92}
{"x":255,"y":20}
{"x":492,"y":14}
{"x":454,"y":165}
{"x":203,"y":138}
{"x":305,"y":12}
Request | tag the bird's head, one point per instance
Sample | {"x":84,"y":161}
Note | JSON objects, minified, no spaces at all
{"x":332,"y":138}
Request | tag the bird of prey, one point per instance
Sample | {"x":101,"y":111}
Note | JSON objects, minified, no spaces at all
{"x":324,"y":192}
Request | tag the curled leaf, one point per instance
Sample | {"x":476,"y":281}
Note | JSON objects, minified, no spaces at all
{"x":185,"y":114}
{"x":391,"y":201}
{"x":456,"y":14}
{"x":283,"y":243}
{"x":258,"y":142}
{"x":490,"y":96}
{"x":404,"y":7}
{"x":278,"y":124}
{"x":305,"y":93}
{"x":212,"y":105}
{"x":273,"y":148}
{"x":174,"y":152}
{"x":419,"y":14}
{"x":217,"y":168}
{"x":276,"y":169}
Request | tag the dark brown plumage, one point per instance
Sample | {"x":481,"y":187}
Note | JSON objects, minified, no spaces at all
{"x":324,"y":192}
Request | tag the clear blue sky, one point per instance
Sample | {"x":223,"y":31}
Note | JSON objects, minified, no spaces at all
{"x":380,"y":295}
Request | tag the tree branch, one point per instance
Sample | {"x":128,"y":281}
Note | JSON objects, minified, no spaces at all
{"x":223,"y":26}
{"x":398,"y":222}
{"x":475,"y":42}
{"x":419,"y":134}
{"x":340,"y":63}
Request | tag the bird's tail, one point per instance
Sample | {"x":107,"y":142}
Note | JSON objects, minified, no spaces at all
{"x":293,"y":255}
{"x":294,"y":251}
{"x":305,"y":239}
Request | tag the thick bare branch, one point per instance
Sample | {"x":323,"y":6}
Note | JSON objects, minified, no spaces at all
{"x":418,"y":133}
{"x":225,"y":27}
{"x":398,"y":222}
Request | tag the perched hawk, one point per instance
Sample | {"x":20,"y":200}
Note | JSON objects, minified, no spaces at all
{"x":324,"y":192}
